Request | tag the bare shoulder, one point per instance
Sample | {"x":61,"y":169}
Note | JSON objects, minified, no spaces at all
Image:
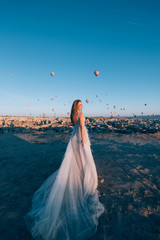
{"x":82,"y":120}
{"x":81,"y":115}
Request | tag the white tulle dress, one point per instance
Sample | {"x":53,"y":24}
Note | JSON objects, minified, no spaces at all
{"x":66,"y":206}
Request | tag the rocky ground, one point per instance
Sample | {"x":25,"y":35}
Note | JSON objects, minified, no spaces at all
{"x":127,"y":157}
{"x":100,"y":125}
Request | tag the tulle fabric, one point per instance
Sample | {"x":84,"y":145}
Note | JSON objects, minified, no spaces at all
{"x":66,"y":206}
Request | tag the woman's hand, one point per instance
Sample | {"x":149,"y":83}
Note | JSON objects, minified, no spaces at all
{"x":83,"y":143}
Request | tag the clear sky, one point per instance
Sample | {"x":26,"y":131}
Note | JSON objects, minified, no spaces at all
{"x":119,"y":38}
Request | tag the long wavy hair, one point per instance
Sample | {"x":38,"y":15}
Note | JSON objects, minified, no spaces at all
{"x":74,"y":111}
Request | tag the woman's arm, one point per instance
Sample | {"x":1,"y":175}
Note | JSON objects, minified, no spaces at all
{"x":82,"y":127}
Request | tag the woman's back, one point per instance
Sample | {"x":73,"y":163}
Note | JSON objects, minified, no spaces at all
{"x":79,"y":114}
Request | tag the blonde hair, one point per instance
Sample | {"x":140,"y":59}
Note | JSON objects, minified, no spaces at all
{"x":74,"y":111}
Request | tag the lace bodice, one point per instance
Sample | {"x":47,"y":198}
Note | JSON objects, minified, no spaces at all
{"x":78,"y":119}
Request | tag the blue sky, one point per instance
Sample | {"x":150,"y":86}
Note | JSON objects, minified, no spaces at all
{"x":121,"y":39}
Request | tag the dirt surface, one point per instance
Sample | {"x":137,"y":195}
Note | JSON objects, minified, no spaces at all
{"x":128,"y":166}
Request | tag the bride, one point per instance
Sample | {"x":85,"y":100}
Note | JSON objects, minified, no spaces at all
{"x":66,"y":206}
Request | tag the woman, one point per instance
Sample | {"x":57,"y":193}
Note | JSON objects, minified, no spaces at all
{"x":66,"y":206}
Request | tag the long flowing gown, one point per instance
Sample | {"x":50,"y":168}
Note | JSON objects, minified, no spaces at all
{"x":66,"y":206}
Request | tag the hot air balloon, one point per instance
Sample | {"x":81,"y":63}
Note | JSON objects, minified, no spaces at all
{"x":145,"y":104}
{"x":11,"y":74}
{"x":111,"y":112}
{"x":100,"y":100}
{"x":38,"y":99}
{"x":107,"y":104}
{"x":29,"y":105}
{"x":96,"y":95}
{"x":96,"y":73}
{"x":52,"y":109}
{"x":153,"y":115}
{"x":124,"y":109}
{"x":114,"y":106}
{"x":51,"y":98}
{"x":68,"y":113}
{"x":141,"y":112}
{"x":52,"y":74}
{"x":121,"y":108}
{"x":56,"y":96}
{"x":87,"y":100}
